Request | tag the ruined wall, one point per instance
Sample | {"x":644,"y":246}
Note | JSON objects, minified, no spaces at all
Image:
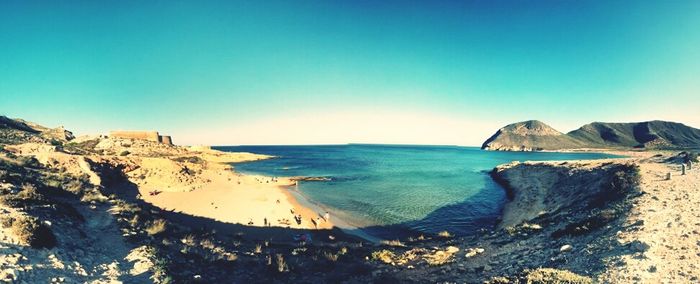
{"x":166,"y":139}
{"x":143,"y":135}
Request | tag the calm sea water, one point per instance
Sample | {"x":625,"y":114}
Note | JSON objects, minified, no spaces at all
{"x":387,"y":190}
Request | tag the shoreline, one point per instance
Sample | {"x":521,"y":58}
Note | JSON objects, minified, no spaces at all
{"x":339,"y":223}
{"x":220,"y":193}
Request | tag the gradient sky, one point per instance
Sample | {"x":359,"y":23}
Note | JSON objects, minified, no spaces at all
{"x":319,"y":72}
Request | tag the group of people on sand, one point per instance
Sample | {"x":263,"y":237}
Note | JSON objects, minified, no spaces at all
{"x":297,"y":218}
{"x":273,"y":179}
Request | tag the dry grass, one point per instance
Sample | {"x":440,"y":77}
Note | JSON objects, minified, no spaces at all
{"x":156,"y":227}
{"x":28,"y":192}
{"x":531,"y":227}
{"x":385,"y":256}
{"x":121,"y":207}
{"x":207,"y":244}
{"x":441,"y":257}
{"x":555,"y":276}
{"x":6,"y":221}
{"x":30,"y":231}
{"x":94,"y":196}
{"x":330,"y":256}
{"x":258,"y":249}
{"x":188,"y":240}
{"x":393,"y":243}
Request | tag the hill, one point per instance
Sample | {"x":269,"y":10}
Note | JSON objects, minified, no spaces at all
{"x":531,"y":135}
{"x":535,"y":135}
{"x":16,"y":131}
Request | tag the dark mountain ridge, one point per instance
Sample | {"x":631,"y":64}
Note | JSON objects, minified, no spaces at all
{"x":534,"y":135}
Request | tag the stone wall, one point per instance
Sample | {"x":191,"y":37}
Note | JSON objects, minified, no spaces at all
{"x":166,"y":139}
{"x":142,"y":135}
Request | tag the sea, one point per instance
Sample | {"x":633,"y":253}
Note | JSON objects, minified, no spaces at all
{"x":395,"y":191}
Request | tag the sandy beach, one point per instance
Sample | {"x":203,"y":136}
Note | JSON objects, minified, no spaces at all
{"x":221,"y":194}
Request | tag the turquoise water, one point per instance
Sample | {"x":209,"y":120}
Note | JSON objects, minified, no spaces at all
{"x":387,"y":190}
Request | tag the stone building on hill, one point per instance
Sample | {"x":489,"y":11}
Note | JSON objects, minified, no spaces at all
{"x":142,"y":135}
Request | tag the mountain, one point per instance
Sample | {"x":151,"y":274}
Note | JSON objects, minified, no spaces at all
{"x":531,"y":135}
{"x":650,"y":134}
{"x":534,"y":135}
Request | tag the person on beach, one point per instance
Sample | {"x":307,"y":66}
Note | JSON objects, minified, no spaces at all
{"x":265,"y":221}
{"x":327,"y":216}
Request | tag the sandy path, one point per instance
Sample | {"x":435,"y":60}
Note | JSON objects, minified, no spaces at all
{"x":670,"y":212}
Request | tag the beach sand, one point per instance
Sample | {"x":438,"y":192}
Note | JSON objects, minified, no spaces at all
{"x":219,"y":193}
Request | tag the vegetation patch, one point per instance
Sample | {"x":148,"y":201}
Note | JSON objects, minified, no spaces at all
{"x":384,"y":256}
{"x":623,"y":181}
{"x":84,"y":147}
{"x":156,"y":227}
{"x":585,"y":226}
{"x":30,"y":231}
{"x":190,"y":159}
{"x":555,"y":276}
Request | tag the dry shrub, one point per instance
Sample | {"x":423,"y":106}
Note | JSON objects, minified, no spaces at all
{"x":31,"y":232}
{"x":207,"y":244}
{"x":29,"y":192}
{"x":94,"y":196}
{"x":587,"y":225}
{"x":281,"y":263}
{"x":28,"y":195}
{"x":121,"y":207}
{"x":393,"y":243}
{"x":623,"y":181}
{"x":555,"y":276}
{"x":188,"y":240}
{"x":330,"y":256}
{"x":441,"y":257}
{"x":156,"y":227}
{"x":6,"y":221}
{"x":385,"y":256}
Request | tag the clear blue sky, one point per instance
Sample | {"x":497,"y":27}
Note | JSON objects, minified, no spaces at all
{"x":291,"y":72}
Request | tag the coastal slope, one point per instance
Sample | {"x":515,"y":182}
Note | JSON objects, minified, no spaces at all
{"x":534,"y":135}
{"x":615,"y":220}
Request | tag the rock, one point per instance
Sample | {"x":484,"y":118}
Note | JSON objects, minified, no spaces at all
{"x":452,"y":249}
{"x":566,"y":248}
{"x":471,"y":252}
{"x":8,"y":275}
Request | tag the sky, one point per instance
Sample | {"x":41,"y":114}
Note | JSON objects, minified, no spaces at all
{"x":333,"y":72}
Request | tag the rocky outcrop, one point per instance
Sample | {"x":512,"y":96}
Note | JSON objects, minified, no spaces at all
{"x":15,"y":131}
{"x":538,"y":188}
{"x":534,"y":135}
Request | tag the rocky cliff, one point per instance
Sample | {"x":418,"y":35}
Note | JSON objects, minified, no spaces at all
{"x":534,"y":135}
